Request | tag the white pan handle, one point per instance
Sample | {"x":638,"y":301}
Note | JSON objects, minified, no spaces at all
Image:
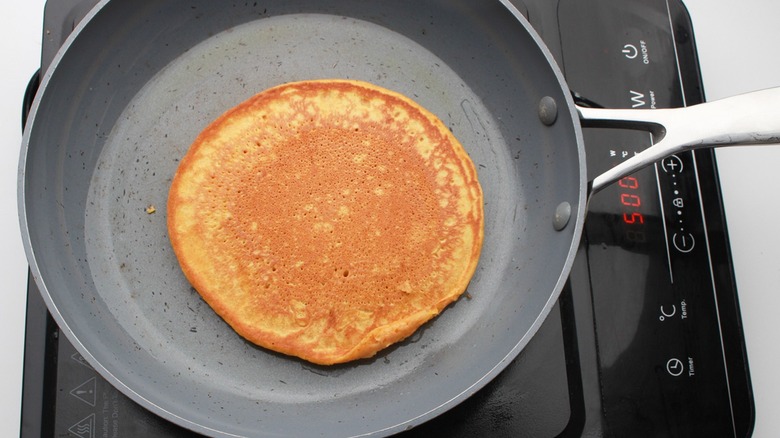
{"x":746,"y":119}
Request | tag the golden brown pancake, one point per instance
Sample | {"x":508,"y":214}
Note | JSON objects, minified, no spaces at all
{"x":327,"y":219}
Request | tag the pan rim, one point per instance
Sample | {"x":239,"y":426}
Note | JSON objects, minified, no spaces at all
{"x":577,"y":219}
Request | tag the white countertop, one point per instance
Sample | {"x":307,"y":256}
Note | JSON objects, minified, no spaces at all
{"x":20,"y":47}
{"x":738,"y":49}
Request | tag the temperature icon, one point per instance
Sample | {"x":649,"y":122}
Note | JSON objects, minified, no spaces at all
{"x":667,"y":313}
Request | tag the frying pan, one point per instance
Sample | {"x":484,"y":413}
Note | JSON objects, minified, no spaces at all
{"x":138,"y":79}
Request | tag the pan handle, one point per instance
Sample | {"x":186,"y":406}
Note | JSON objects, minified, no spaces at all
{"x":745,"y":119}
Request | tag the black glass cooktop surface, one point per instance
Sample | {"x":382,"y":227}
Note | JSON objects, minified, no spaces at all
{"x":646,"y":338}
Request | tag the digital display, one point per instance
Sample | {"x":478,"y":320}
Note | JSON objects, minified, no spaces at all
{"x":630,"y":198}
{"x":629,"y":207}
{"x":627,"y":213}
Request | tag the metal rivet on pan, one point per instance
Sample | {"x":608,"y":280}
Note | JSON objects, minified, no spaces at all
{"x":562,"y":216}
{"x":548,"y":110}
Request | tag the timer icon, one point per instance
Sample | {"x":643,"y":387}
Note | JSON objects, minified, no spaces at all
{"x":675,"y":367}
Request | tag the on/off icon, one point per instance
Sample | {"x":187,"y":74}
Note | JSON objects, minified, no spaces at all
{"x":630,"y":51}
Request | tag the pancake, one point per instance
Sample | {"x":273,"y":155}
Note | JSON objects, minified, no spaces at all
{"x":327,"y":219}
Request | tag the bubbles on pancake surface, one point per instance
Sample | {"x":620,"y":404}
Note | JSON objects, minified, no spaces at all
{"x":330,"y":222}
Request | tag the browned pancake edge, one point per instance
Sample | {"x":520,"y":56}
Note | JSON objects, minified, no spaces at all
{"x":327,"y":219}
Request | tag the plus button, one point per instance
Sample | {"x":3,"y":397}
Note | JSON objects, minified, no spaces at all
{"x":672,"y":164}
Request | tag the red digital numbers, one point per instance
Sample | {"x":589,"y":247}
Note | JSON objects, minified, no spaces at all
{"x":629,"y":182}
{"x":634,"y":218}
{"x":631,"y":201}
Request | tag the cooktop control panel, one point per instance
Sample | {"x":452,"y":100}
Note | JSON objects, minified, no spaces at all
{"x":662,"y":304}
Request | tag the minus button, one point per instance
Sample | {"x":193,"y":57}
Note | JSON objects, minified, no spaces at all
{"x":683,"y":242}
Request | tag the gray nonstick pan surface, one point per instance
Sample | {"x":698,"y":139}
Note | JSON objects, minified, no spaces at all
{"x":139,"y":79}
